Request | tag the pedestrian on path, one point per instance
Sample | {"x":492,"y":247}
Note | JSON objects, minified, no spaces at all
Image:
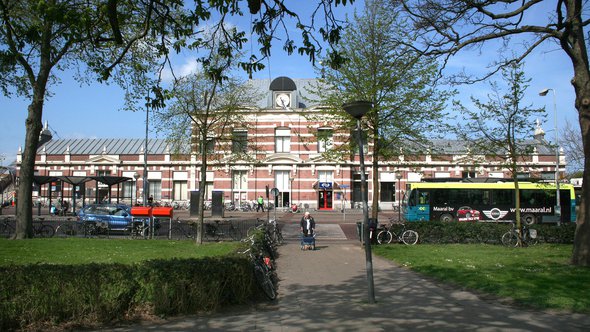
{"x":260,"y":204}
{"x":307,"y":224}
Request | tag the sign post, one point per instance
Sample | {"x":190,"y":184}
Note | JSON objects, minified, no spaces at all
{"x":343,"y":200}
{"x":275,"y":193}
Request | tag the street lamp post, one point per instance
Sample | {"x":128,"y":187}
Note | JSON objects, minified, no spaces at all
{"x":557,"y":204}
{"x":398,"y":176}
{"x":145,"y":153}
{"x":136,"y":177}
{"x":357,"y":110}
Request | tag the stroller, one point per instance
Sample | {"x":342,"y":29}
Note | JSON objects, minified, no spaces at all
{"x":308,"y":242}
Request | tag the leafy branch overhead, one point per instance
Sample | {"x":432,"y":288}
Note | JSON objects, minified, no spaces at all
{"x":130,"y":42}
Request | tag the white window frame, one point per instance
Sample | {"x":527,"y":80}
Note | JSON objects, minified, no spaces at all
{"x":326,"y":145}
{"x":282,"y":140}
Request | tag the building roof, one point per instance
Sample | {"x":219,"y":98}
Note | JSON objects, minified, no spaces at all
{"x":123,"y":146}
{"x":96,"y":146}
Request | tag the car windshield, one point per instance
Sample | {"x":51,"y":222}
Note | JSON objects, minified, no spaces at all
{"x":106,"y":210}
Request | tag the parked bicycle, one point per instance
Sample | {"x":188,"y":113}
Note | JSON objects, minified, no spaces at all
{"x":230,"y":206}
{"x":403,"y":235}
{"x":276,"y":235}
{"x":180,"y":205}
{"x":217,"y":231}
{"x":271,"y":237}
{"x":6,"y":227}
{"x":263,"y":272}
{"x":182,"y":231}
{"x":529,"y":236}
{"x":262,"y":261}
{"x":82,"y":228}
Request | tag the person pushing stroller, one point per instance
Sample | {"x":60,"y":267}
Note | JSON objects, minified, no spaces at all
{"x":307,"y":224}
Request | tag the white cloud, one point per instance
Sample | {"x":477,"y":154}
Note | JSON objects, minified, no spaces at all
{"x":185,"y":67}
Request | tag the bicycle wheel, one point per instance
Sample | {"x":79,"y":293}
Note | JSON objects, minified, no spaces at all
{"x":234,"y":233}
{"x":384,"y":236}
{"x":264,"y":281}
{"x":280,"y":238}
{"x":530,"y":239}
{"x":510,"y":239}
{"x":177,"y":233}
{"x":65,"y":230}
{"x":6,"y":230}
{"x":410,"y":237}
{"x":45,"y":231}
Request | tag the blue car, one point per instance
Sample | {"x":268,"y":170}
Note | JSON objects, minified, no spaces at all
{"x":116,"y":216}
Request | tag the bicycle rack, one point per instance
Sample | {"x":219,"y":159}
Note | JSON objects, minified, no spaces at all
{"x":139,"y":214}
{"x":165,"y":213}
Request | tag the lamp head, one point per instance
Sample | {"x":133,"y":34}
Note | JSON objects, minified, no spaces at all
{"x":544,"y":92}
{"x":357,"y":109}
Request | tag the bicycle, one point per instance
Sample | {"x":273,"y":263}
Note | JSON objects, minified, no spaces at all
{"x":276,"y":235}
{"x":406,"y":236}
{"x":6,"y":227}
{"x":85,"y":228}
{"x":182,"y":231}
{"x":270,"y":237}
{"x":529,"y":236}
{"x":41,"y":229}
{"x":216,"y":232}
{"x":263,"y":273}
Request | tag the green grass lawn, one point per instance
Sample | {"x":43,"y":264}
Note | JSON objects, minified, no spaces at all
{"x":537,"y":276}
{"x":85,"y":250}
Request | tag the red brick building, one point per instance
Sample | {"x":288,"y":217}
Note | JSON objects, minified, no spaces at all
{"x":288,"y":157}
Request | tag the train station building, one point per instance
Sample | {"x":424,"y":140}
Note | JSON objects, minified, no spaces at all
{"x":285,"y":154}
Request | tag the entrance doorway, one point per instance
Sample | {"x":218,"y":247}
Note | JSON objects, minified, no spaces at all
{"x":325,"y":199}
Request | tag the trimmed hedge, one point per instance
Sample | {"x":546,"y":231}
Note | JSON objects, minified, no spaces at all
{"x":85,"y":295}
{"x":485,"y":232}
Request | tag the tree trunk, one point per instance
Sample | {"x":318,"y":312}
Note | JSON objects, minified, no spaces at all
{"x":581,"y":252}
{"x":375,"y":178}
{"x":574,"y":45}
{"x":24,"y":208}
{"x":202,"y":188}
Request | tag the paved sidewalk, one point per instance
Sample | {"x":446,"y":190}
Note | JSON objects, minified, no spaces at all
{"x":326,"y":290}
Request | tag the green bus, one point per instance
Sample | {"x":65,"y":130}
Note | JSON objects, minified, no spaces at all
{"x":468,"y":201}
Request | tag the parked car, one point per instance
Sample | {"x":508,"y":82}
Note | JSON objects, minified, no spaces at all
{"x":116,"y":216}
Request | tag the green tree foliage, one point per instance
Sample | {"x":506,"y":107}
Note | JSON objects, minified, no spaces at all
{"x":500,"y":126}
{"x":123,"y":39}
{"x":202,"y":120}
{"x":408,"y":106}
{"x":42,"y":38}
{"x":448,"y":27}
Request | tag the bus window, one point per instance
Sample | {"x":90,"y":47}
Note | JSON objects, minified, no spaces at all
{"x":502,"y":197}
{"x":486,"y":197}
{"x":413,"y":198}
{"x":424,"y":198}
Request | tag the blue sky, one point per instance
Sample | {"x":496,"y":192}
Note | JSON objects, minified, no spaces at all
{"x":94,"y":111}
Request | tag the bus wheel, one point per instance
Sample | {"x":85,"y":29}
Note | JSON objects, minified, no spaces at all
{"x":446,"y":218}
{"x":529,"y":219}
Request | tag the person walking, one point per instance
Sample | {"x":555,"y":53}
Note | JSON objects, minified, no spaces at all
{"x":307,"y":224}
{"x":260,"y":204}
